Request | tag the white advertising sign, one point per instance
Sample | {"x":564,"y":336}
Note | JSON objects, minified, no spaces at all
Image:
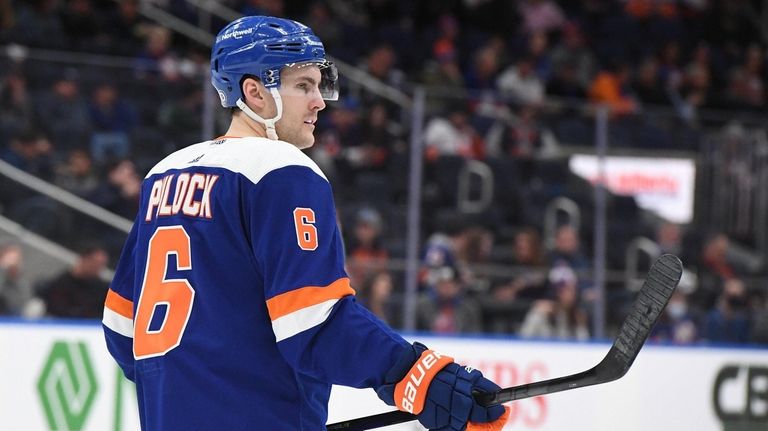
{"x":60,"y":377}
{"x":664,"y":186}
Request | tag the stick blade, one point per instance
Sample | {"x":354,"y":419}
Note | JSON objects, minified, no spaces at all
{"x":662,"y":279}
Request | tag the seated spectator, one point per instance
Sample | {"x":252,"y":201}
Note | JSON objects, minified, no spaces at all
{"x":539,"y":54}
{"x":696,"y":92}
{"x":381,"y":63}
{"x":452,"y":135}
{"x":77,"y":174}
{"x":472,"y":246}
{"x":573,"y":52}
{"x":156,"y":61}
{"x":445,"y":308}
{"x":78,"y":292}
{"x":746,"y":85}
{"x":82,"y":25}
{"x":113,"y":119}
{"x":376,"y":295}
{"x":528,"y":258}
{"x":365,"y":251}
{"x":120,"y":193}
{"x":560,"y":317}
{"x":124,"y":27}
{"x":611,"y":87}
{"x":669,"y":238}
{"x":439,"y":252}
{"x":31,"y":151}
{"x":567,"y":249}
{"x":378,"y":142}
{"x":509,"y":301}
{"x":482,"y":73}
{"x":520,"y":82}
{"x":341,"y":132}
{"x":714,"y":270}
{"x":728,"y":322}
{"x":38,"y":25}
{"x":370,"y":150}
{"x":443,"y":74}
{"x":670,"y":69}
{"x":15,"y":103}
{"x":7,"y":18}
{"x":326,"y":26}
{"x":523,"y":138}
{"x":64,"y":112}
{"x":648,"y":86}
{"x":14,"y":292}
{"x":179,"y":117}
{"x":676,"y":324}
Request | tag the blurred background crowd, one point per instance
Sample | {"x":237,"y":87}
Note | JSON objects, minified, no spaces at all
{"x":94,"y":92}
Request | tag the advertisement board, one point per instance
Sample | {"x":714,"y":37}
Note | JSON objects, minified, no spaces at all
{"x":60,"y":377}
{"x":662,"y":185}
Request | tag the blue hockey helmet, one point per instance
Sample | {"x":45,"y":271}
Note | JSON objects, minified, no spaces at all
{"x":261,"y":46}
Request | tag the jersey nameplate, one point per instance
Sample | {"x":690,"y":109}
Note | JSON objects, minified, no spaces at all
{"x":191,"y":196}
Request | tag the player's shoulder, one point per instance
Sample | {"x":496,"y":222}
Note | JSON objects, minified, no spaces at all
{"x":252,"y":157}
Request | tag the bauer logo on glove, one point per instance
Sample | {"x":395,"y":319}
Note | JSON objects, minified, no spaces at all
{"x":412,"y":390}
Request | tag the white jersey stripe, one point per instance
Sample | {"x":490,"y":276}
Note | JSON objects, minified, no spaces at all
{"x":236,"y":155}
{"x":118,"y":323}
{"x":301,"y":320}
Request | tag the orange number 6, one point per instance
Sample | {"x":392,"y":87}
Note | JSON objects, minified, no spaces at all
{"x":306,"y":232}
{"x":176,"y":294}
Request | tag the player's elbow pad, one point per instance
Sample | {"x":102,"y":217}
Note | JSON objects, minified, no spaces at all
{"x":437,"y":390}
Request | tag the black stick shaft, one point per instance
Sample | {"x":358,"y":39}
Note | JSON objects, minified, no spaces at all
{"x":653,"y":297}
{"x":503,"y":396}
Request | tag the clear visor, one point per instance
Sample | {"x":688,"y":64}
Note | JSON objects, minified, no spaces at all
{"x":329,"y":77}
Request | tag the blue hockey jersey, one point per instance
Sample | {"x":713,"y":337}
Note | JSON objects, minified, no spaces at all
{"x":230,"y":307}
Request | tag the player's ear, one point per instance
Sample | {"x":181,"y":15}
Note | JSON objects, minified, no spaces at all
{"x":253,"y":92}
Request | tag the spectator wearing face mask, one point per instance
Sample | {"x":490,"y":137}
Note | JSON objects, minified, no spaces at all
{"x":676,"y":324}
{"x":728,"y":322}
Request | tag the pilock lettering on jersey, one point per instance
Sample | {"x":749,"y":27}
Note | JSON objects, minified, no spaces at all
{"x":184,"y":200}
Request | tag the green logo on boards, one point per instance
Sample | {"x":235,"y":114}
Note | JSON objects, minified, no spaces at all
{"x":67,"y":386}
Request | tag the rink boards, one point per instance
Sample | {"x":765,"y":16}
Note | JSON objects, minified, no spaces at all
{"x":59,"y":376}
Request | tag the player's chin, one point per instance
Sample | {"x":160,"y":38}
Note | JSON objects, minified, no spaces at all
{"x":307,"y":140}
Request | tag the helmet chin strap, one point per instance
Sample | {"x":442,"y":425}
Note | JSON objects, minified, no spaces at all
{"x":268,"y":123}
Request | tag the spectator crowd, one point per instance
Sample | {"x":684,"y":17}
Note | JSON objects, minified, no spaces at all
{"x":92,"y":94}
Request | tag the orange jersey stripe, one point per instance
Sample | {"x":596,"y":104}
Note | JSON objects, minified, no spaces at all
{"x":288,"y":302}
{"x":118,"y":304}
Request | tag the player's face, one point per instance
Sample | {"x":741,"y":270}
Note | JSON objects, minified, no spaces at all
{"x":300,"y":92}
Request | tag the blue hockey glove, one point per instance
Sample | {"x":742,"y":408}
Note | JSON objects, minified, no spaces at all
{"x":438,"y":390}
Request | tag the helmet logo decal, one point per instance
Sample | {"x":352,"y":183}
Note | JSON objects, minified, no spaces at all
{"x":223,"y":97}
{"x":237,"y":34}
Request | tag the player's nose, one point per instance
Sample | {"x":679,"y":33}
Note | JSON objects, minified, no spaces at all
{"x":317,"y":103}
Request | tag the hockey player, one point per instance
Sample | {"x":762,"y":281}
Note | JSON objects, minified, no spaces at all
{"x":230,"y":307}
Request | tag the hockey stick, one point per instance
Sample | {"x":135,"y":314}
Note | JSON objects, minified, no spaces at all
{"x":661,"y":281}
